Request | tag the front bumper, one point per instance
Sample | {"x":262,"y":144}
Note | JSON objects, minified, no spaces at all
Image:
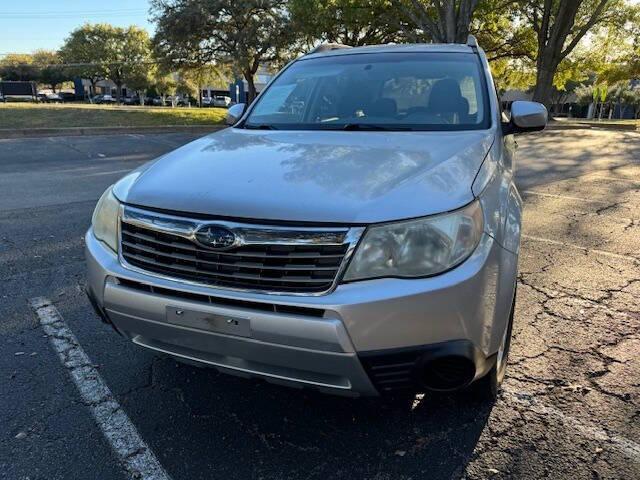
{"x":333,"y":342}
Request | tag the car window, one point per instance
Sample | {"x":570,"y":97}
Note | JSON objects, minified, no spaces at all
{"x":427,"y":91}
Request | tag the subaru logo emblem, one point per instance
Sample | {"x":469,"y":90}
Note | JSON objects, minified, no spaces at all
{"x":215,"y":237}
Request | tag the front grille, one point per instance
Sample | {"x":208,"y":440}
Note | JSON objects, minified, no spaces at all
{"x":300,"y":268}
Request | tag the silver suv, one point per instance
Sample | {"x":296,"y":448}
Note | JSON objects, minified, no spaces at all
{"x":355,"y":231}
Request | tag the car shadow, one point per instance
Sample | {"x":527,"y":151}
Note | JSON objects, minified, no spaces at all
{"x":270,"y":431}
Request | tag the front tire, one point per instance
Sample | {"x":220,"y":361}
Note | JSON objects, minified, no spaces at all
{"x":489,"y":385}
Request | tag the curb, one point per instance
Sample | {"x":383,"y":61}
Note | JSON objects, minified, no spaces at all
{"x":77,"y":131}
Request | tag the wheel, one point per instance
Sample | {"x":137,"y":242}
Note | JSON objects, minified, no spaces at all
{"x":489,"y":385}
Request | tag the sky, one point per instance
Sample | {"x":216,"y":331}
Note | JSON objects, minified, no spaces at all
{"x":36,"y":24}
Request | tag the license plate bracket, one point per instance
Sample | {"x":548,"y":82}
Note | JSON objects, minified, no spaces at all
{"x":212,"y":322}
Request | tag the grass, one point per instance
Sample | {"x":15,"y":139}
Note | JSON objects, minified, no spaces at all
{"x":30,"y":115}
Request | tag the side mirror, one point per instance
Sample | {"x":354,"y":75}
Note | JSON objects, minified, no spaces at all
{"x":526,"y":117}
{"x":234,"y":113}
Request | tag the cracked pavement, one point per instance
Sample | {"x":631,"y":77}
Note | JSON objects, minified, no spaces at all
{"x":571,"y":402}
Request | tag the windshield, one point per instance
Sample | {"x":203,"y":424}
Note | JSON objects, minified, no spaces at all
{"x":391,"y":91}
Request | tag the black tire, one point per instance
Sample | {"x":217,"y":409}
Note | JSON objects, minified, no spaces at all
{"x":489,"y":386}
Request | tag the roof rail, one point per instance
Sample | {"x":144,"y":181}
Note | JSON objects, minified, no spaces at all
{"x":327,"y":47}
{"x":472,"y":41}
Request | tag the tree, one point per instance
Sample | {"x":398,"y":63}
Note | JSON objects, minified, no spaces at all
{"x":51,"y":72}
{"x":442,"y":21}
{"x":165,"y":84}
{"x":191,"y":80}
{"x":18,"y":67}
{"x":634,"y":101}
{"x":621,"y":54}
{"x":242,"y":33}
{"x":349,"y":22}
{"x":559,"y":26}
{"x":102,"y":51}
{"x":584,"y":94}
{"x":499,"y":31}
{"x":83,"y":52}
{"x":126,"y":55}
{"x":141,"y":80}
{"x":622,"y":95}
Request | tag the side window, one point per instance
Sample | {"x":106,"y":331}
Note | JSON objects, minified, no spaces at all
{"x":468,"y":91}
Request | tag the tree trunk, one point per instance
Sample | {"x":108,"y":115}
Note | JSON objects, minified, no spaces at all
{"x":118,"y":92}
{"x":544,"y":85}
{"x":251,"y":86}
{"x":92,"y":90}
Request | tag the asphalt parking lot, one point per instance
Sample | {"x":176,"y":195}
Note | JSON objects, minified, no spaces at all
{"x":571,"y":402}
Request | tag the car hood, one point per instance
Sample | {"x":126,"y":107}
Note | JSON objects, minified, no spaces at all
{"x":313,"y":176}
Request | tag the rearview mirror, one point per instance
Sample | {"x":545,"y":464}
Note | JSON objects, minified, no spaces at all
{"x":526,"y":117}
{"x":234,"y":113}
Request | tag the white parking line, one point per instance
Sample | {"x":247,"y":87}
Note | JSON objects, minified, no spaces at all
{"x":623,"y":445}
{"x":579,"y":247}
{"x":615,"y":179}
{"x":111,"y":172}
{"x":564,"y":197}
{"x":134,"y":454}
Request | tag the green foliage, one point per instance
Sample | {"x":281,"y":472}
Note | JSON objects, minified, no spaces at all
{"x":585,"y":94}
{"x":240,"y":33}
{"x":51,"y":72}
{"x":442,"y":21}
{"x":126,"y":55}
{"x":18,"y":67}
{"x":122,"y":55}
{"x":84,"y":51}
{"x":349,"y":22}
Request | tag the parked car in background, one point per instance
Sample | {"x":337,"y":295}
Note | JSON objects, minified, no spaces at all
{"x":67,"y":96}
{"x":221,"y":101}
{"x":103,"y":99}
{"x":207,"y":101}
{"x":178,"y":100}
{"x":356,"y":230}
{"x":49,"y":97}
{"x":132,"y":100}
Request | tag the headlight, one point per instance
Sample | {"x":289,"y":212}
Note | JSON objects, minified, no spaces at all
{"x":105,"y":219}
{"x":417,"y":248}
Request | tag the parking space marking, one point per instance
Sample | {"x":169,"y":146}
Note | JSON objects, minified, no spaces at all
{"x":110,"y":172}
{"x":627,"y":447}
{"x":564,"y":197}
{"x":135,"y":456}
{"x":614,"y":179}
{"x":584,"y":249}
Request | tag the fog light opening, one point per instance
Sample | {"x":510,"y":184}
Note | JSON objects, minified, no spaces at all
{"x":450,"y":372}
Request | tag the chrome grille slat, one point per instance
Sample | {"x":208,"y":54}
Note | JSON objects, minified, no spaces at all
{"x":241,"y":276}
{"x":186,"y":246}
{"x":300,"y":260}
{"x":239,"y":264}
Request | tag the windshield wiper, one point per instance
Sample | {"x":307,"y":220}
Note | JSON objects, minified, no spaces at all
{"x":259,"y":127}
{"x":372,"y":127}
